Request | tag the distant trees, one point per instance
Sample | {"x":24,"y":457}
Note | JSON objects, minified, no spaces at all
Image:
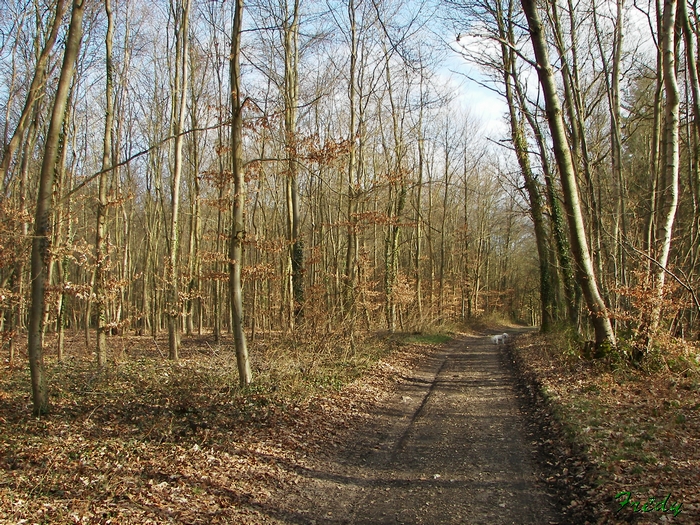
{"x":315,"y":159}
{"x":621,"y":210}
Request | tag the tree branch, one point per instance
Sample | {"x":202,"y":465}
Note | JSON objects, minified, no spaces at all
{"x":683,"y":283}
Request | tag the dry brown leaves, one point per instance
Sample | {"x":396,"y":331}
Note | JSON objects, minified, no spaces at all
{"x":155,"y":442}
{"x":622,"y":430}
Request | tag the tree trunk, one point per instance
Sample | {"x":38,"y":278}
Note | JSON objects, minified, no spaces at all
{"x":572,"y":293}
{"x":194,"y":296}
{"x":397,"y":201}
{"x":691,"y":53}
{"x":101,"y":256}
{"x":351,"y":254}
{"x":179,"y":113}
{"x":517,"y":132}
{"x":612,"y":75}
{"x":40,"y":243}
{"x":63,"y":220}
{"x":291,"y":87}
{"x":598,"y":312}
{"x":237,"y":226}
{"x":670,"y":175}
{"x":419,"y":197}
{"x":445,"y":197}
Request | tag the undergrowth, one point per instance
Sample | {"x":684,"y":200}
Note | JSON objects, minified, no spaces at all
{"x":146,"y":440}
{"x":287,"y":372}
{"x":638,"y":426}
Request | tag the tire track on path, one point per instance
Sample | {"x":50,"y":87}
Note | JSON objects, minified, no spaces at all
{"x":452,"y":447}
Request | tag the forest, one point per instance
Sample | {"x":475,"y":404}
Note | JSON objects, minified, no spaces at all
{"x":214,"y":211}
{"x":309,"y":161}
{"x":334,"y":187}
{"x":197,"y":167}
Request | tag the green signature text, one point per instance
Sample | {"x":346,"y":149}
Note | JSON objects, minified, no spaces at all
{"x":651,"y":505}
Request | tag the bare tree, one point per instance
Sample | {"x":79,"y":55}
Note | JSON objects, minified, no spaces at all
{"x":101,"y":257}
{"x":290,"y":31}
{"x":517,"y":132}
{"x":670,"y":173}
{"x":40,"y":244}
{"x":237,"y":225}
{"x":181,"y":11}
{"x":34,"y":92}
{"x":352,"y":239}
{"x":599,"y":317}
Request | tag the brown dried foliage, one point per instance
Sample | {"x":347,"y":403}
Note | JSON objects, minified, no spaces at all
{"x":150,"y":441}
{"x":621,"y":429}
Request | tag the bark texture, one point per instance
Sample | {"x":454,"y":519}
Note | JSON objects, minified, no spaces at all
{"x":42,"y":228}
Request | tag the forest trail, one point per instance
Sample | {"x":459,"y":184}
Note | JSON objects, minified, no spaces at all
{"x":450,"y":447}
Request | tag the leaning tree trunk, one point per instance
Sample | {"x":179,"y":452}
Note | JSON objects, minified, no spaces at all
{"x":40,"y":243}
{"x":572,"y":293}
{"x":600,"y":319}
{"x":547,"y":295}
{"x":547,"y":301}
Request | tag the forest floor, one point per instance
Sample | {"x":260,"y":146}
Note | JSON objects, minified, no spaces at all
{"x":410,"y":431}
{"x":624,"y":442}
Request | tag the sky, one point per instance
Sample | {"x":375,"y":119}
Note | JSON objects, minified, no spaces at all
{"x":470,"y":88}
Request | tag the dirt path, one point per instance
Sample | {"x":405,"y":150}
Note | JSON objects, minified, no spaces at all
{"x":450,"y":447}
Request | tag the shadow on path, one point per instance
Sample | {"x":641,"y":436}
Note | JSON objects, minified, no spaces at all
{"x":451,"y":447}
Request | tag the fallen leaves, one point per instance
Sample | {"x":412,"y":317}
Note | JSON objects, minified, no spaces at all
{"x":147,"y":441}
{"x":629,"y":431}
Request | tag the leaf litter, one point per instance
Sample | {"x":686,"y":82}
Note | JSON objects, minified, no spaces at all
{"x":149,"y":441}
{"x":614,"y":429}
